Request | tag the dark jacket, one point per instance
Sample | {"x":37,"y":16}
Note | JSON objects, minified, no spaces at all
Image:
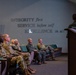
{"x":30,"y":47}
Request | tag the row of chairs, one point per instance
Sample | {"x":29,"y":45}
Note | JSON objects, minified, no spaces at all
{"x":57,"y":50}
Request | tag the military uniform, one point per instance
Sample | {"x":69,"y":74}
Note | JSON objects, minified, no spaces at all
{"x":25,"y":56}
{"x":8,"y":52}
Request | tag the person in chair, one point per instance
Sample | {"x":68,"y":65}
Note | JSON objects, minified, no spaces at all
{"x":33,"y":51}
{"x":16,"y":46}
{"x":44,"y":50}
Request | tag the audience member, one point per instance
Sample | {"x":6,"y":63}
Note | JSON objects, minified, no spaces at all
{"x":33,"y":51}
{"x":44,"y":50}
{"x":16,"y":46}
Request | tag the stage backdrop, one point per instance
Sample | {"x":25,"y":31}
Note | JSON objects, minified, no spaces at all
{"x":44,"y":19}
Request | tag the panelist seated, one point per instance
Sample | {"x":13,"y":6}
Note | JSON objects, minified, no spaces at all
{"x":5,"y":52}
{"x":33,"y":51}
{"x":16,"y":47}
{"x":42,"y":48}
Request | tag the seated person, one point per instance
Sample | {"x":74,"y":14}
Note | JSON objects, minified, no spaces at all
{"x":14,"y":57}
{"x":5,"y":62}
{"x":33,"y":51}
{"x":16,"y":46}
{"x":48,"y":49}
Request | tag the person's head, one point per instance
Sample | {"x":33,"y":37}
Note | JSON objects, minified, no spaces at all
{"x":6,"y":37}
{"x":74,"y":17}
{"x":30,"y":40}
{"x":16,"y":42}
{"x":12,"y":41}
{"x":40,"y":40}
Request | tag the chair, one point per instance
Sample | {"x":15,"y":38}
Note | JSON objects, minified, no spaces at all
{"x":53,"y":46}
{"x":57,"y":49}
{"x":23,"y":48}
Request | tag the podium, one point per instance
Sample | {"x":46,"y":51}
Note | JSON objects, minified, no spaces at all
{"x":71,"y":51}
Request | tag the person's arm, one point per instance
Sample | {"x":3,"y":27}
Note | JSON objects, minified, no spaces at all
{"x":15,"y":48}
